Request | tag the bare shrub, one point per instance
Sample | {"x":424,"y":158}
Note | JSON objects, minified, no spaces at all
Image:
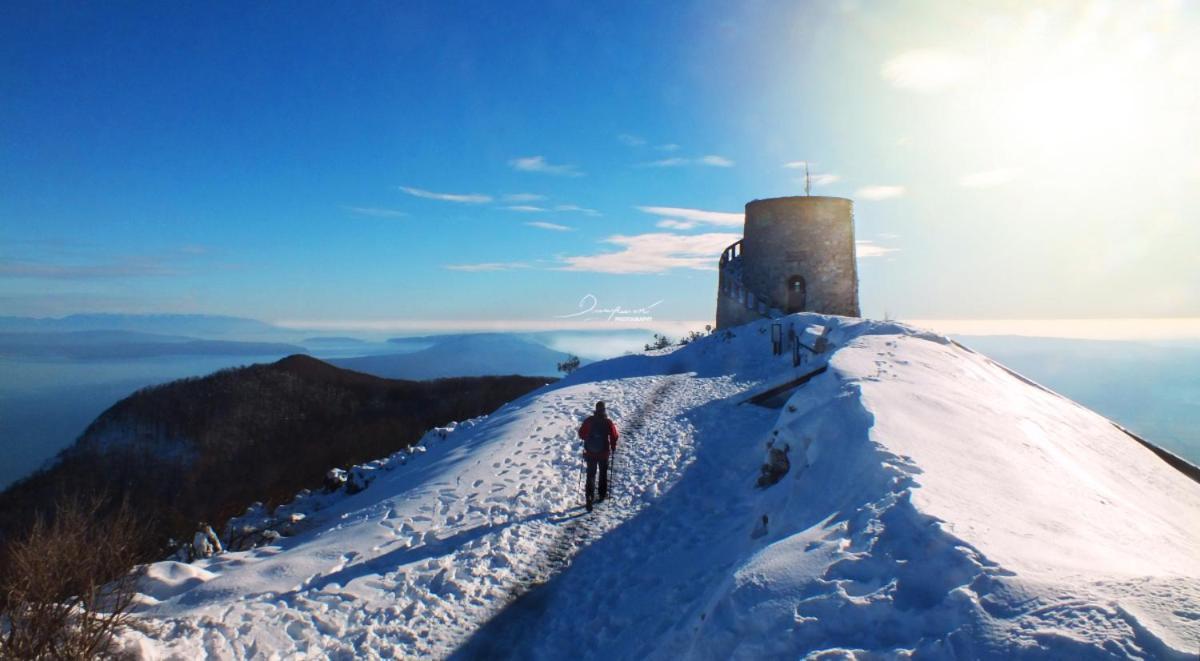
{"x":67,"y":584}
{"x":569,"y":365}
{"x":660,"y":342}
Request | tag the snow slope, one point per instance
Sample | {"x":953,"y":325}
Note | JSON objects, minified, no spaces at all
{"x":936,"y":505}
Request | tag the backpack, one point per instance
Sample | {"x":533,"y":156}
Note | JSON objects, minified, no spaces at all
{"x":597,"y":439}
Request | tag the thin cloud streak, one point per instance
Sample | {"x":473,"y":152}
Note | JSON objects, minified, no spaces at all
{"x":577,"y":209}
{"x":487,"y":266}
{"x":654,"y":253}
{"x":550,"y":226}
{"x":722,"y":218}
{"x":540,"y":164}
{"x":671,"y":224}
{"x":867,"y":249}
{"x":525,"y":208}
{"x":716,"y":161}
{"x":822,"y":179}
{"x":814,"y":178}
{"x":711,"y":160}
{"x":664,"y":163}
{"x":461,"y":198}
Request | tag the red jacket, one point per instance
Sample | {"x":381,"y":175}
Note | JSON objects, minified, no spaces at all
{"x":586,"y":429}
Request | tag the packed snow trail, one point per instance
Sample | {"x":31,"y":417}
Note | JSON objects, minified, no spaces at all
{"x":576,"y":530}
{"x":500,"y":637}
{"x":936,"y":505}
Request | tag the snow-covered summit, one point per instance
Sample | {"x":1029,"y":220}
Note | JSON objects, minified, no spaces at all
{"x":936,"y":504}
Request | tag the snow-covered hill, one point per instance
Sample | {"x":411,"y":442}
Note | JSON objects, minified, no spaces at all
{"x":936,"y":504}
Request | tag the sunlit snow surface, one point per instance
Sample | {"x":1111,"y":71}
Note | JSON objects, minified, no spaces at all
{"x":936,"y":504}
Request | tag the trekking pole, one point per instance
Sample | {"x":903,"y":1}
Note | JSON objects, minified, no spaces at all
{"x":612,"y":465}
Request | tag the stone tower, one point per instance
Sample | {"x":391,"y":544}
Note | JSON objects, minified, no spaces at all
{"x":796,"y":255}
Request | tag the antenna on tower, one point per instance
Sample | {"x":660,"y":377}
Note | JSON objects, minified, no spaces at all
{"x":807,"y":182}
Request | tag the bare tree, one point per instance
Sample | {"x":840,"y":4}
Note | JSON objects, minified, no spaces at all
{"x":569,"y":365}
{"x":67,"y":585}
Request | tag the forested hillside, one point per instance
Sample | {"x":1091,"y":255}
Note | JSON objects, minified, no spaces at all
{"x":203,"y":449}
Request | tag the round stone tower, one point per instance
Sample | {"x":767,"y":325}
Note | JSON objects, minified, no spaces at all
{"x":796,"y":255}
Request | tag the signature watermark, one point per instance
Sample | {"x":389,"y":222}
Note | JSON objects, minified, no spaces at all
{"x":589,"y":307}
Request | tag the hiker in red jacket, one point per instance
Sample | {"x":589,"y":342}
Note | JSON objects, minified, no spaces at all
{"x":599,"y":436}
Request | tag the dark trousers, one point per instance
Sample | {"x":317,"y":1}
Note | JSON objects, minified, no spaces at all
{"x":594,"y":463}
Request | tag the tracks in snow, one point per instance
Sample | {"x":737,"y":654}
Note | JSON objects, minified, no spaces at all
{"x":528,"y":598}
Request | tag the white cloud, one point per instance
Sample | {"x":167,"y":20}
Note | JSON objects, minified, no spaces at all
{"x":815,"y":178}
{"x":988,"y":178}
{"x":698,"y":215}
{"x":577,"y":209}
{"x":631,"y":140}
{"x":550,"y":226}
{"x":865,"y":249}
{"x":716,"y":161}
{"x":376,"y":212}
{"x":925,"y":70}
{"x":670,"y":146}
{"x":464,"y":198}
{"x":655,"y":253}
{"x":672,"y":224}
{"x":711,"y":160}
{"x":523,"y":197}
{"x":487,"y":266}
{"x":540,"y":164}
{"x":880,"y":192}
{"x":665,"y":163}
{"x":525,"y":207}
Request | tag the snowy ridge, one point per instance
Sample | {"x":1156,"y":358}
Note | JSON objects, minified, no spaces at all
{"x":935,"y":505}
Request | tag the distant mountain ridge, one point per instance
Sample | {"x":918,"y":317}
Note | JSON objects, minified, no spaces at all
{"x":119,"y":344}
{"x":203,"y":325}
{"x":462,"y":355}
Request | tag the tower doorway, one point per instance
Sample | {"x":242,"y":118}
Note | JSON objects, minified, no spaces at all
{"x":797,"y":294}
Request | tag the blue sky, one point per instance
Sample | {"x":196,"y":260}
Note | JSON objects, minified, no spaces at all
{"x":489,"y":164}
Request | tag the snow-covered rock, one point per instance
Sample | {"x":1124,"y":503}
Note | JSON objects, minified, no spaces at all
{"x":205,"y":542}
{"x":934,"y":504}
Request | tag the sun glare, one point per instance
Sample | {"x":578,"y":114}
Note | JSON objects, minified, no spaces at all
{"x":1074,"y":92}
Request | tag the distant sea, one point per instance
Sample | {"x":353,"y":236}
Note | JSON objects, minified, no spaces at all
{"x":1150,"y":388}
{"x":46,"y":404}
